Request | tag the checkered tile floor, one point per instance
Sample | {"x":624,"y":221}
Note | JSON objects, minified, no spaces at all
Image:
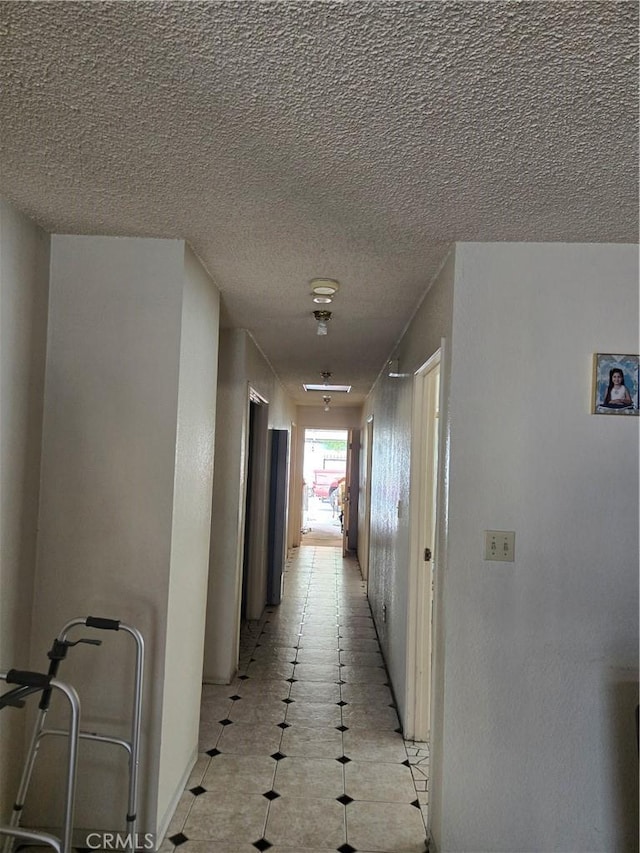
{"x":302,"y":753}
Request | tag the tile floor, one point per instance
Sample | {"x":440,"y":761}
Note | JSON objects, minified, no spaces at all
{"x":302,"y":752}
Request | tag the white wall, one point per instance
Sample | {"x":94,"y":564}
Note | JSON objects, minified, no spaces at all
{"x":193,"y":484}
{"x":227,"y":529}
{"x":241,"y":366}
{"x":540,"y":655}
{"x":119,"y":443}
{"x":533,"y":739}
{"x":24,"y":289}
{"x":389,"y":538}
{"x":338,"y":417}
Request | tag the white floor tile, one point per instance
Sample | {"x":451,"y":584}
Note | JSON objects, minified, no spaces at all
{"x":228,"y":816}
{"x":250,"y":774}
{"x":385,"y":828}
{"x":301,"y":823}
{"x":312,"y":742}
{"x":281,"y":757}
{"x":369,"y":745}
{"x":309,"y":777}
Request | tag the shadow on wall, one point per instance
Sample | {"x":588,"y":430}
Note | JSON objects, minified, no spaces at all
{"x":623,"y":702}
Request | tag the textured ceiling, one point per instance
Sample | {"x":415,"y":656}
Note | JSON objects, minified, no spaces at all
{"x":351,"y":140}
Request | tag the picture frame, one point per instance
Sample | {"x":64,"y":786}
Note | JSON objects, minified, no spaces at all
{"x":616,"y":384}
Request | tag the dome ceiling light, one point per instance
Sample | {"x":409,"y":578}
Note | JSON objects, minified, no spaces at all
{"x":323,"y":290}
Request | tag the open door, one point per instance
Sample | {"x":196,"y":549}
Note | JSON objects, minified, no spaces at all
{"x":350,"y":505}
{"x":323,"y":486}
{"x":424,"y":483}
{"x":277,"y":540}
{"x":254,"y":572}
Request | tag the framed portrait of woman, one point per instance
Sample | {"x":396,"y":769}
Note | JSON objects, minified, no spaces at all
{"x":616,"y":384}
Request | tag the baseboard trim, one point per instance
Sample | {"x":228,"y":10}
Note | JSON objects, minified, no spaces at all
{"x":163,"y":824}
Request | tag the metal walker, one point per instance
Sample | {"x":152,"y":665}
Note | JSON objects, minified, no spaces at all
{"x":29,"y":683}
{"x":57,"y":654}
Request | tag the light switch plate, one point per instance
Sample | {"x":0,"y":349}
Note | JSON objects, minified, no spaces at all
{"x":500,"y":545}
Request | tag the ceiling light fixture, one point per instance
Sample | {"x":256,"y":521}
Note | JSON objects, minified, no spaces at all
{"x":327,"y":287}
{"x":326,"y":387}
{"x":326,"y":376}
{"x":326,"y":400}
{"x":322,"y":318}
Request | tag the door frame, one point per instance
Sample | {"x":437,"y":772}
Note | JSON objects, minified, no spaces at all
{"x":364,"y":514}
{"x":253,"y":585}
{"x":352,"y":489}
{"x":294,"y":515}
{"x":425,"y":480}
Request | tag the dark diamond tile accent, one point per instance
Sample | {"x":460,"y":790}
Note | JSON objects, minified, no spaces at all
{"x":345,"y":799}
{"x":243,"y":677}
{"x":341,"y":703}
{"x":178,"y":839}
{"x":271,"y":795}
{"x":291,"y":680}
{"x":278,"y":756}
{"x":288,"y":701}
{"x":213,"y":752}
{"x":347,"y":848}
{"x":341,"y":682}
{"x":406,"y":762}
{"x":262,"y":844}
{"x":226,"y":722}
{"x":398,"y":730}
{"x":235,"y":697}
{"x":343,"y":728}
{"x":284,"y":725}
{"x":342,"y":664}
{"x":293,"y":661}
{"x":343,"y":759}
{"x":416,"y":803}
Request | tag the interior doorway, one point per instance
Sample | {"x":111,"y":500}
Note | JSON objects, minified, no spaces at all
{"x":324,"y":487}
{"x":351,"y":494}
{"x":424,"y":556}
{"x":254,"y":567}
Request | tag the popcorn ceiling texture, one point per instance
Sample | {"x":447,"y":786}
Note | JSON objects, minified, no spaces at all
{"x":354,"y":140}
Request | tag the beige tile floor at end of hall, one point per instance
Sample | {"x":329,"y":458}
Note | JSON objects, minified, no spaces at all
{"x":302,"y":753}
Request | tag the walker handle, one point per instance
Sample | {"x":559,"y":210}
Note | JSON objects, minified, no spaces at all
{"x":38,"y":680}
{"x":103,"y":624}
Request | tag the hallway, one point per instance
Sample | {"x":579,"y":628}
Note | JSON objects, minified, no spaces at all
{"x":302,"y":751}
